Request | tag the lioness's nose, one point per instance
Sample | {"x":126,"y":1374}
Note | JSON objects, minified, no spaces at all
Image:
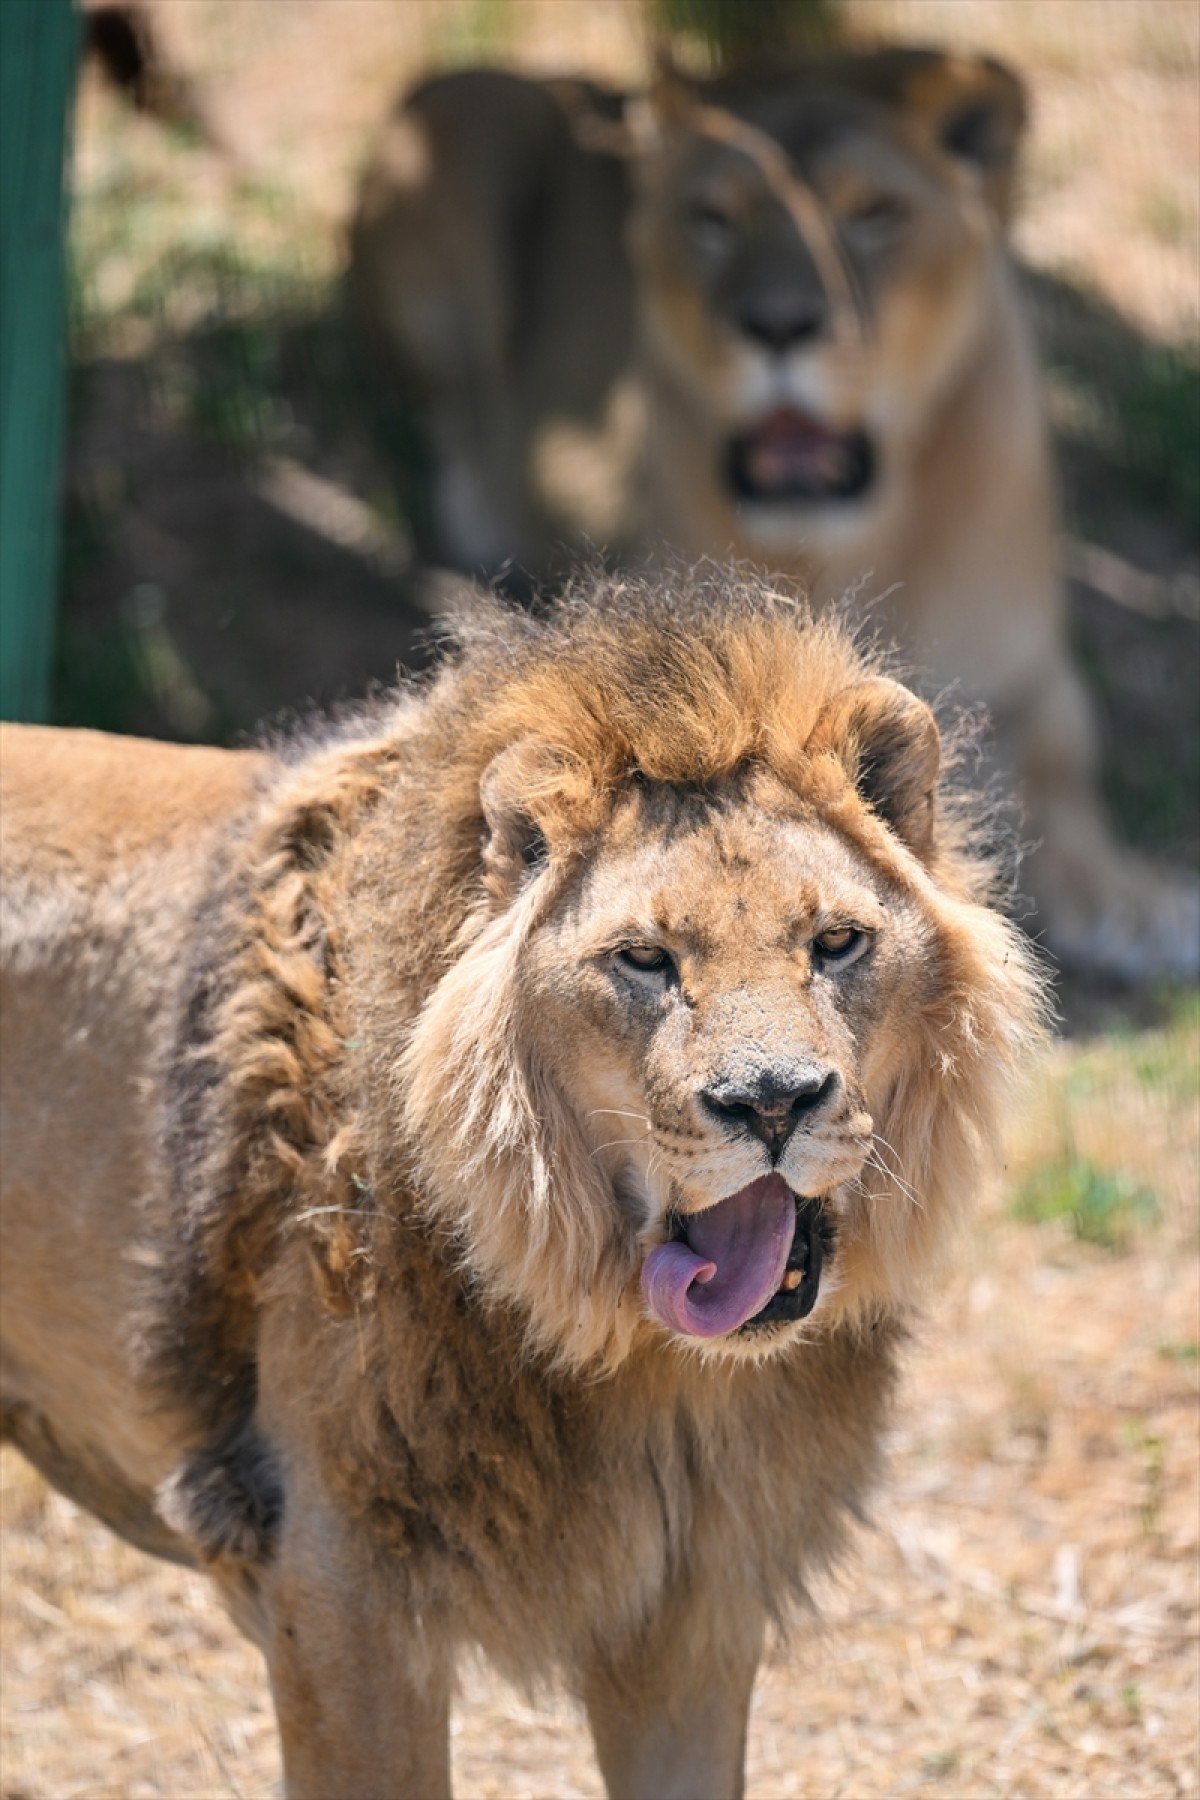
{"x":772,"y":1105}
{"x":778,"y":321}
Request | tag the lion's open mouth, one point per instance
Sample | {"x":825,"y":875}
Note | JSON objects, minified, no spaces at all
{"x":753,"y":1259}
{"x":789,"y":456}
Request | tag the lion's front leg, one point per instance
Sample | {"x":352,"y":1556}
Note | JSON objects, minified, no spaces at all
{"x":668,"y":1710}
{"x":362,"y":1715}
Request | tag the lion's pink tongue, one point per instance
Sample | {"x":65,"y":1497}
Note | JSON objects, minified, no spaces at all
{"x":733,"y":1260}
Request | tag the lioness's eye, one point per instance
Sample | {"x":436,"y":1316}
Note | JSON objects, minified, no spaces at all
{"x":647,"y":959}
{"x":838,"y":941}
{"x":710,"y":225}
{"x":879,"y":216}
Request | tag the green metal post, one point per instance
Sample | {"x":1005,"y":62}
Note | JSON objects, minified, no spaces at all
{"x":37,"y":65}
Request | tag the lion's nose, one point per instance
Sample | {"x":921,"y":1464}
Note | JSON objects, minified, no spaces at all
{"x":772,"y":1105}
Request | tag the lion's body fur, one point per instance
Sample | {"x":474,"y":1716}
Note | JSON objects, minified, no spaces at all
{"x":307,"y":1235}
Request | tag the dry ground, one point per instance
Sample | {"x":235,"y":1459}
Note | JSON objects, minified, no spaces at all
{"x":1023,"y":1620}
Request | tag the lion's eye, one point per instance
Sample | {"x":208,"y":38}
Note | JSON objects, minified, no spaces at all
{"x":838,"y":942}
{"x":647,"y":959}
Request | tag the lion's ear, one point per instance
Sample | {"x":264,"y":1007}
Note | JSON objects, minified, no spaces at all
{"x":514,"y":842}
{"x":891,"y":743}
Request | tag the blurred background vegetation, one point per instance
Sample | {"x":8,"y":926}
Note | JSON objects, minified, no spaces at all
{"x":730,"y":31}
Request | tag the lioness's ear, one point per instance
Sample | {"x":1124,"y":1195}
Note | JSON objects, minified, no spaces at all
{"x":667,"y":106}
{"x":598,"y":117}
{"x":661,"y":116}
{"x":514,"y":844}
{"x":671,"y":93}
{"x":890,"y":741}
{"x":973,"y":107}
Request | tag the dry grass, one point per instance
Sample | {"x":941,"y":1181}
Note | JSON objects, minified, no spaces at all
{"x":1022,"y":1621}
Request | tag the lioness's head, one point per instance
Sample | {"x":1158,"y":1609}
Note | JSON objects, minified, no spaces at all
{"x":814,"y":250}
{"x":725,"y":1025}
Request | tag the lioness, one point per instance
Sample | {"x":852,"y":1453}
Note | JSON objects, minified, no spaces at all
{"x":784,"y":324}
{"x":466,"y":1174}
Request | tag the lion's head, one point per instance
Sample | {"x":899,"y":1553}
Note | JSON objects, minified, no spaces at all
{"x":815,"y":250}
{"x":706,"y":1023}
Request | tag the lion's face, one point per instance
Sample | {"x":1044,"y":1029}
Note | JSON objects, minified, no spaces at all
{"x":814,"y":266}
{"x":719,"y":1052}
{"x":722,"y":991}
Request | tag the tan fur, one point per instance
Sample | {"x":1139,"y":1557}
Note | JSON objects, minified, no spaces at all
{"x":558,"y":279}
{"x":337,"y":1132}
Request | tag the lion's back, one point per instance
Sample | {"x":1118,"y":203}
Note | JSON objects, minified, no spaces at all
{"x":76,"y":804}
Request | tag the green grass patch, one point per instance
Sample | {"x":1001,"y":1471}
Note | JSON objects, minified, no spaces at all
{"x":1170,"y":1059}
{"x":146,"y":262}
{"x":1150,"y":1450}
{"x":1121,"y":397}
{"x":1164,"y":1060}
{"x":113,"y":675}
{"x":234,"y":387}
{"x":732,"y":30}
{"x":1164,"y":216}
{"x":1098,"y":1206}
{"x":471,"y":32}
{"x":1138,"y":412}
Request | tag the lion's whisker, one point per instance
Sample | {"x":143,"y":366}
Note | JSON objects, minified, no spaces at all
{"x":880,"y":1142}
{"x":894,"y":1174}
{"x":613,"y":1144}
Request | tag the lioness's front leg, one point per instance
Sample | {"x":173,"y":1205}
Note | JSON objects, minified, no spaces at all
{"x":362,"y":1715}
{"x":668,"y":1710}
{"x":1104,"y":908}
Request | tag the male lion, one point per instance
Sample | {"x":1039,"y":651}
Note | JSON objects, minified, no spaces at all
{"x":467,"y":1174}
{"x":784,"y":324}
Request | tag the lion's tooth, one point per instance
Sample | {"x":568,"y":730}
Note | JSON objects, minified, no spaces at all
{"x":792,"y":1279}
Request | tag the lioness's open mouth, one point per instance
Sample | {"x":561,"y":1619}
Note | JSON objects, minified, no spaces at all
{"x":790,"y":456}
{"x":752,"y":1259}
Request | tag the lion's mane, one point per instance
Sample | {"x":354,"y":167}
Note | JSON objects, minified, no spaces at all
{"x":355,"y":1068}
